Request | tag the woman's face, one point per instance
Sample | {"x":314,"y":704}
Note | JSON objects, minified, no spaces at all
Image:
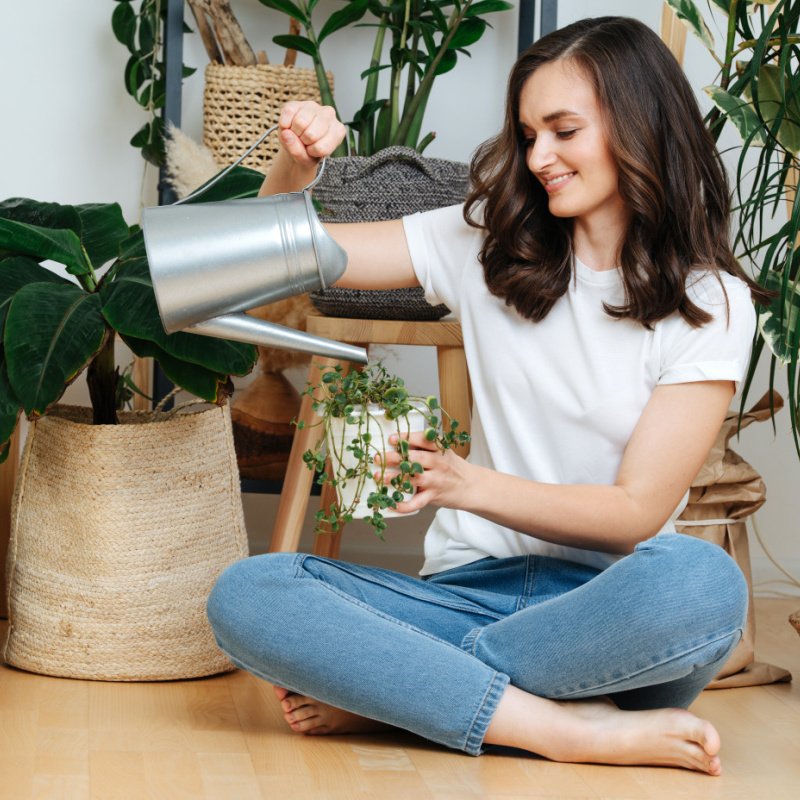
{"x":567,"y":148}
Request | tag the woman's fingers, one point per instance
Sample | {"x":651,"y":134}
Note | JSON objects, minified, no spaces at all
{"x":309,"y":131}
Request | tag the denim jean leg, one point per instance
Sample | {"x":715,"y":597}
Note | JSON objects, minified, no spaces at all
{"x":666,"y":617}
{"x":279,"y":620}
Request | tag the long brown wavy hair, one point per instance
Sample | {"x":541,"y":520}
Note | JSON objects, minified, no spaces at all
{"x":670,"y":176}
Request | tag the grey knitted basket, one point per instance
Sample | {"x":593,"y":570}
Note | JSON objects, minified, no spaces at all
{"x":392,"y":183}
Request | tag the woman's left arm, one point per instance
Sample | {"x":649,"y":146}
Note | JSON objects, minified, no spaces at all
{"x":669,"y":445}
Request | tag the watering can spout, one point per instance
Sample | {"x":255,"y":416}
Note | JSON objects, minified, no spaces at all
{"x":210,"y":262}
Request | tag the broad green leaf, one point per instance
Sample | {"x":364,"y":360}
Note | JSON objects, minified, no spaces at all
{"x":724,"y":5}
{"x":123,"y":23}
{"x":129,"y":306}
{"x":300,"y":43}
{"x":239,"y":183}
{"x":469,"y":31}
{"x":200,"y":381}
{"x":487,"y":7}
{"x":16,"y":272}
{"x":287,"y":7}
{"x":774,"y":97}
{"x":99,"y":226}
{"x":103,"y":228}
{"x":61,"y":245}
{"x":141,"y":137}
{"x":687,"y":11}
{"x":739,"y":112}
{"x":40,"y":214}
{"x":52,"y":332}
{"x":9,"y":405}
{"x":352,"y":12}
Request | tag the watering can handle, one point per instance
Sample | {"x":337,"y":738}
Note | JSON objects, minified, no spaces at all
{"x":236,"y":163}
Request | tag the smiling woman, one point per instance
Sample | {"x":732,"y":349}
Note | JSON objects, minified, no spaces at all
{"x":605,"y":323}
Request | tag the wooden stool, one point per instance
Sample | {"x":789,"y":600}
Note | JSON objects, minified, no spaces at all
{"x":454,"y":397}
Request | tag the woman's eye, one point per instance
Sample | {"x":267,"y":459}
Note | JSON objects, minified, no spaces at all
{"x":567,"y":134}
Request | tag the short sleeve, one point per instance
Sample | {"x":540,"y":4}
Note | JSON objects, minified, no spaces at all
{"x":441,"y":244}
{"x":718,"y":350}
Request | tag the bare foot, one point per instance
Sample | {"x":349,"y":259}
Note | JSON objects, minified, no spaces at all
{"x":598,"y":732}
{"x":307,"y":715}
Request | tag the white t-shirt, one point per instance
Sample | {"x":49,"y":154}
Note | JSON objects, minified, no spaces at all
{"x":556,"y":401}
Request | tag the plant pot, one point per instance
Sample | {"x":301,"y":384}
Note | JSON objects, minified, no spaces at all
{"x":392,"y":183}
{"x":354,"y":492}
{"x":118,"y":533}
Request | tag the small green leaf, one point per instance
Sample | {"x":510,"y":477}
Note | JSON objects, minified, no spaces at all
{"x":739,"y":112}
{"x":300,"y":43}
{"x":288,"y":8}
{"x":688,"y":12}
{"x":352,"y":12}
{"x":123,"y":23}
{"x":447,"y":63}
{"x":488,"y":6}
{"x":469,"y":31}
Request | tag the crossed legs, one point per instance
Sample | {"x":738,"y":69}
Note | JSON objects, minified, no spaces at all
{"x":353,"y":647}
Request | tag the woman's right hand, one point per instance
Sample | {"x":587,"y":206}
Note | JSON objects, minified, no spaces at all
{"x":309,"y":131}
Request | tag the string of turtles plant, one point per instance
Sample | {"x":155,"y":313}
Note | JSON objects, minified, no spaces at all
{"x":354,"y":398}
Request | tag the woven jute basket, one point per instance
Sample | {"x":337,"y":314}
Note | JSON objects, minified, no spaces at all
{"x":795,"y":620}
{"x":240,"y":103}
{"x":118,"y":533}
{"x":392,"y":183}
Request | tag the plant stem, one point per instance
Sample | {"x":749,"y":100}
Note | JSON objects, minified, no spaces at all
{"x":102,"y":377}
{"x":427,"y":81}
{"x":367,"y":138}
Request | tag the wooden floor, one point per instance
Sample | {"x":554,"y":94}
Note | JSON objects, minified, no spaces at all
{"x":223,"y":739}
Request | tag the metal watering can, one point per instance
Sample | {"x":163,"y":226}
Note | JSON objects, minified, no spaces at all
{"x":211,"y":262}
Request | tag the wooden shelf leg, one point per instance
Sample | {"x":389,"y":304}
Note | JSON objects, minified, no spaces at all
{"x":297,"y":484}
{"x":455,"y":394}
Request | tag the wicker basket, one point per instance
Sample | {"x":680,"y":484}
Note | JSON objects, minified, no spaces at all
{"x":240,"y":103}
{"x":390,"y":184}
{"x":118,"y":533}
{"x":795,"y":620}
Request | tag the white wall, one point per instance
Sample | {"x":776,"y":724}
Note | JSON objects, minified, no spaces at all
{"x":66,"y":124}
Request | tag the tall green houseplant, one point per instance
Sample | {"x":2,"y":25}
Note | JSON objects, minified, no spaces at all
{"x":423,"y":39}
{"x":52,"y":328}
{"x":758,"y":92}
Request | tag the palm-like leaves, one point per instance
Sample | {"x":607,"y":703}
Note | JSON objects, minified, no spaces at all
{"x":758,"y":92}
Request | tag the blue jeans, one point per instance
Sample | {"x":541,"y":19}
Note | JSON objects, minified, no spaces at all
{"x":434,"y":655}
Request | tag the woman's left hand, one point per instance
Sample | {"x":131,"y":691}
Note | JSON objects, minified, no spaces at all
{"x":443,"y":482}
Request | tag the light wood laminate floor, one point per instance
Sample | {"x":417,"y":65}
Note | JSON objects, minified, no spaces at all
{"x":223,"y":738}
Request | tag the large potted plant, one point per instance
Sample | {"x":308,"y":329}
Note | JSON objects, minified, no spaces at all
{"x":757,"y":92}
{"x":120,"y":521}
{"x":379,"y":171}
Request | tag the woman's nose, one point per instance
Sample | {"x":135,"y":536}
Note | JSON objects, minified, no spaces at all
{"x":540,"y":154}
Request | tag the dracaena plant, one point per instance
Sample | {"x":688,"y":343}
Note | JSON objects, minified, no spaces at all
{"x":757,"y":91}
{"x":53,"y":327}
{"x":358,"y":398}
{"x":415,"y":41}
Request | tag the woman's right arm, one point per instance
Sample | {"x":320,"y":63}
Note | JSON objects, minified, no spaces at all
{"x":377,"y":252}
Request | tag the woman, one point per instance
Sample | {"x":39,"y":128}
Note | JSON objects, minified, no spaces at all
{"x":606,"y":323}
